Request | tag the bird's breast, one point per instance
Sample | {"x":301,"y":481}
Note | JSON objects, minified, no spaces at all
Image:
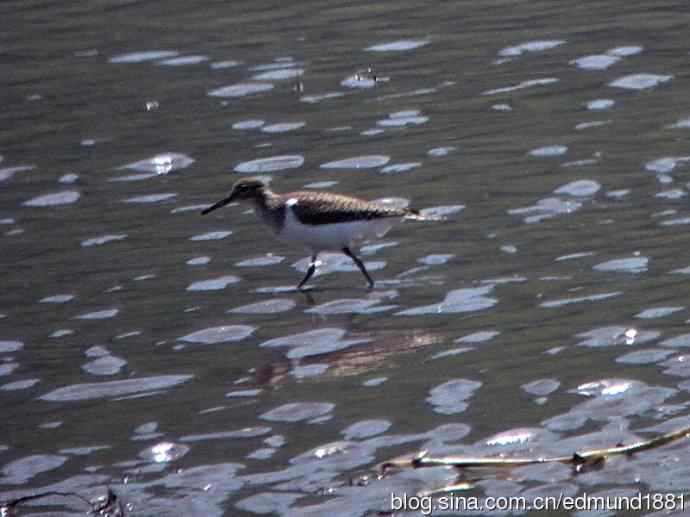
{"x":273,"y":216}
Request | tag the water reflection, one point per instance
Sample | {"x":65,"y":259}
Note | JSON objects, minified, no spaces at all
{"x":169,"y":356}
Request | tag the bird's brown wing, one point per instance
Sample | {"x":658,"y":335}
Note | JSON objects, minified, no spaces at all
{"x":316,"y":208}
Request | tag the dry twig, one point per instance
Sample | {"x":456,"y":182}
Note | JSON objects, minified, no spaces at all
{"x":581,"y":461}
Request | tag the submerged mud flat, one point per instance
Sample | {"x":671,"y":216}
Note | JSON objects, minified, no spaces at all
{"x":168,"y":356}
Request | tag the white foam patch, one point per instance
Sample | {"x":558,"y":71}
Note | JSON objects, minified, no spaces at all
{"x":228,"y":63}
{"x":625,"y":265}
{"x":57,"y":298}
{"x":676,"y":221}
{"x":579,"y":299}
{"x":358,"y":162}
{"x":6,"y":369}
{"x":579,"y":188}
{"x":318,"y":97}
{"x":162,"y":163}
{"x":99,"y":315}
{"x":58,"y":198}
{"x":666,"y":164}
{"x":276,"y":65}
{"x":103,"y":239}
{"x":640,"y":81}
{"x":596,"y":62}
{"x":522,"y":85}
{"x":133,"y":177}
{"x":345,"y":306}
{"x":279,"y":75}
{"x":248,"y":124}
{"x":8,"y":172}
{"x":442,"y":211}
{"x":441,"y":151}
{"x":671,"y":194}
{"x":615,"y":335}
{"x":403,"y":118}
{"x":150,"y":198}
{"x":222,"y":334}
{"x":450,"y":397}
{"x":273,"y":306}
{"x":645,"y":356}
{"x":114,"y":388}
{"x":105,"y":365}
{"x":626,"y":51}
{"x":528,"y":47}
{"x":658,"y":312}
{"x":600,"y":104}
{"x":551,"y":150}
{"x":573,"y":256}
{"x":282,"y":127}
{"x":435,"y":260}
{"x":541,"y":387}
{"x":358,"y":82}
{"x":272,"y":164}
{"x":580,"y":163}
{"x":214,"y":284}
{"x":400,"y":167}
{"x":68,"y":178}
{"x":478,"y":337}
{"x":198,"y":261}
{"x":588,"y":125}
{"x":183,"y":60}
{"x":211,"y":236}
{"x":546,"y":208}
{"x":298,"y":411}
{"x":240,"y":90}
{"x":10,"y":346}
{"x":266,"y":260}
{"x":140,"y":57}
{"x":20,"y":471}
{"x":164,"y":452}
{"x":398,"y":46}
{"x":683,"y":123}
{"x":366,"y":429}
{"x":457,"y":301}
{"x":320,"y":337}
{"x":61,"y":333}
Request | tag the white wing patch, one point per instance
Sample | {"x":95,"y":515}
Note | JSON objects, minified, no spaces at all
{"x":291,"y":202}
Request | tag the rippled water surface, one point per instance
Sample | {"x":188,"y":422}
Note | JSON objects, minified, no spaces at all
{"x":166,"y":355}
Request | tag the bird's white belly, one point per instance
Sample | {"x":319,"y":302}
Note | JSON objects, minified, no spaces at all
{"x":336,"y":236}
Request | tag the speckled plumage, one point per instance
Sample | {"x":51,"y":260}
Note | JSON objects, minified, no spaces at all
{"x":316,"y":208}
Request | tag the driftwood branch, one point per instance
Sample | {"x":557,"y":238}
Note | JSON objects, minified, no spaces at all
{"x":581,"y":460}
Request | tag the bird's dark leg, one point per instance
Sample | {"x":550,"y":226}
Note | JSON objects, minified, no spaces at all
{"x":310,"y":271}
{"x":360,"y":265}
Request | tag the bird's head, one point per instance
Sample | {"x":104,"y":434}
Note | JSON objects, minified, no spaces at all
{"x":246,"y":189}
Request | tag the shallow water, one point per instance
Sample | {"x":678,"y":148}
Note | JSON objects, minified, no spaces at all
{"x":166,"y":355}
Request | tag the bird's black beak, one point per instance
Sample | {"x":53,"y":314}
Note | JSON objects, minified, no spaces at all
{"x":219,"y":204}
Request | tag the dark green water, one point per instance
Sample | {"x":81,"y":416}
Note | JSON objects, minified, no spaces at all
{"x":553,"y":136}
